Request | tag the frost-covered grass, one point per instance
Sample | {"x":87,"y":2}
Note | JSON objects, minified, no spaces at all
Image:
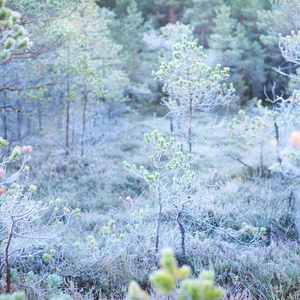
{"x":219,"y":233}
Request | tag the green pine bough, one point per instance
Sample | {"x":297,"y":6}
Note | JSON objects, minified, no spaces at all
{"x":13,"y":36}
{"x":170,"y":276}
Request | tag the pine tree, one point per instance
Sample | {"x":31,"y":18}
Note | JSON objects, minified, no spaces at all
{"x":128,"y":31}
{"x":200,"y":15}
{"x":246,"y":11}
{"x":106,"y":3}
{"x":193,"y":87}
{"x":227,"y":42}
{"x":43,"y":21}
{"x":222,"y":39}
{"x":163,"y":40}
{"x":269,"y":25}
{"x":90,"y":80}
{"x":162,"y":43}
{"x":133,"y":29}
{"x":98,"y":74}
{"x":255,"y":66}
{"x":231,"y":45}
{"x":166,"y":10}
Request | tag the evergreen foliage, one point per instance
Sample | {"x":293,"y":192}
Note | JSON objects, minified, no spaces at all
{"x":166,"y":279}
{"x":13,"y":36}
{"x":192,"y":86}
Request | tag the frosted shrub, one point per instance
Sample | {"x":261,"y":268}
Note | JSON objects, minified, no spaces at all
{"x":289,"y":47}
{"x":251,"y":130}
{"x":248,"y":234}
{"x":24,"y":221}
{"x":172,"y":180}
{"x":289,"y":108}
{"x":192,"y":86}
{"x":287,"y":122}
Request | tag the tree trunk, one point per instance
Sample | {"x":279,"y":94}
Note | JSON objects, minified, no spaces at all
{"x":202,"y":36}
{"x":261,"y":165}
{"x":133,"y":67}
{"x":7,"y":265}
{"x":4,"y":116}
{"x":85,"y":98}
{"x":29,"y":125}
{"x":182,"y":232}
{"x":40,"y":117}
{"x":19,"y":117}
{"x":207,"y":34}
{"x":172,"y":14}
{"x":190,"y":115}
{"x":203,"y":28}
{"x":73,"y":138}
{"x":190,"y":127}
{"x":159,"y":218}
{"x":171,"y":124}
{"x":68,"y":115}
{"x":279,"y":160}
{"x":296,"y":195}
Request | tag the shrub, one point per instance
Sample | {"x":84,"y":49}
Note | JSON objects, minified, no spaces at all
{"x":165,"y":282}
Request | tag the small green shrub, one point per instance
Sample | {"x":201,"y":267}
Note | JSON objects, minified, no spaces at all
{"x":165,"y":282}
{"x":14,"y":296}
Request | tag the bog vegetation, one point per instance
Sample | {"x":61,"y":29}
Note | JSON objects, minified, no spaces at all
{"x":150,"y":149}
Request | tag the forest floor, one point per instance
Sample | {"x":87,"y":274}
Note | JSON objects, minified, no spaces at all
{"x":222,"y":235}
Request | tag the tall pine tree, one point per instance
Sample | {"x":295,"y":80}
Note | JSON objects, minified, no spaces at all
{"x":200,"y":15}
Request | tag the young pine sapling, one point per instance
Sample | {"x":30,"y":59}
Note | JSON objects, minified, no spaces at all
{"x":192,"y":87}
{"x":170,"y":276}
{"x":254,"y":130}
{"x":23,"y":221}
{"x":171,"y":179}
